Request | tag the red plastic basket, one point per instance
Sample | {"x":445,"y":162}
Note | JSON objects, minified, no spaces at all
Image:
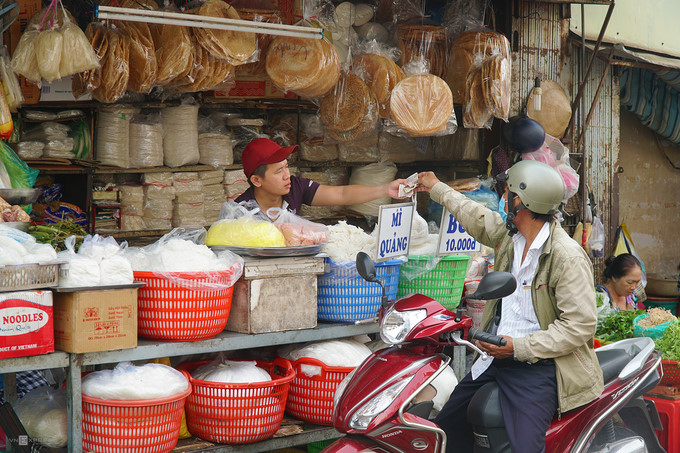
{"x":238,"y":413}
{"x":311,"y":397}
{"x":168,"y":311}
{"x":671,"y":373}
{"x":143,"y":426}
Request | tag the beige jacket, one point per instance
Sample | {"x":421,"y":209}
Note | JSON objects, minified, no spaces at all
{"x":563,"y":296}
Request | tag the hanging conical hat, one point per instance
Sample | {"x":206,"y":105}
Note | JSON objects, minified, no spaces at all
{"x":555,"y":110}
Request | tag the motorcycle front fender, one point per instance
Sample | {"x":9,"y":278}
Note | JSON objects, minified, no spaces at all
{"x":354,"y":444}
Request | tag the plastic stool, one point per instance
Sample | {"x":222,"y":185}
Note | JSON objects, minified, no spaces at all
{"x":669,"y":412}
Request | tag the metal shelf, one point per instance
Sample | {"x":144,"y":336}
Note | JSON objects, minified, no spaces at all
{"x":56,"y":359}
{"x":226,"y":341}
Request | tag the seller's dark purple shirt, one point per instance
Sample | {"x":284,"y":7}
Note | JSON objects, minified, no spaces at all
{"x":302,"y":191}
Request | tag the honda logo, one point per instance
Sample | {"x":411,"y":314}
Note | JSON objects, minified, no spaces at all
{"x":419,"y":444}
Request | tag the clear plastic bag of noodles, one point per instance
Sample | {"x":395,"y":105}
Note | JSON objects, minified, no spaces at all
{"x":350,"y":111}
{"x":487,"y":84}
{"x":24,"y":61}
{"x":173,"y":51}
{"x":48,"y":43}
{"x":308,"y":67}
{"x":375,"y":65}
{"x":115,"y":67}
{"x":87,"y":81}
{"x":207,"y":73}
{"x":421,"y":104}
{"x":236,"y":47}
{"x":77,"y":54}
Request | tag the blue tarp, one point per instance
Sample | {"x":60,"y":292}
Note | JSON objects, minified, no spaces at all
{"x":655,"y":98}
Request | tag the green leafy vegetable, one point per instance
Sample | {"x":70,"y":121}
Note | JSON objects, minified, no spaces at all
{"x":669,"y":344}
{"x":617,"y":326}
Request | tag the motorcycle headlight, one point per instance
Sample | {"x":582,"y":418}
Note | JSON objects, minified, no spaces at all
{"x":341,"y":387}
{"x":396,"y":325}
{"x":366,"y":413}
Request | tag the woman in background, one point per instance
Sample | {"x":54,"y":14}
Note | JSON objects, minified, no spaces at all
{"x":622,"y":275}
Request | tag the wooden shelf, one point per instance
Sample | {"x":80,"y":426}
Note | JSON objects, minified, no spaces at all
{"x":115,"y":170}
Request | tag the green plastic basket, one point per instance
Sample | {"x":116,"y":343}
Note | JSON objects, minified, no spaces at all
{"x":444,"y":283}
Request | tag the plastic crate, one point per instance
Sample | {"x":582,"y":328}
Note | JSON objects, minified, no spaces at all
{"x":183,"y":306}
{"x":232,"y":413}
{"x":311,"y":397}
{"x":671,"y":373}
{"x":441,"y":278}
{"x":344,"y":296}
{"x":29,"y":276}
{"x":144,"y":426}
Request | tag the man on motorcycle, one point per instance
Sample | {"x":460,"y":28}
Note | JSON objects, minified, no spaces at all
{"x":548,"y":365}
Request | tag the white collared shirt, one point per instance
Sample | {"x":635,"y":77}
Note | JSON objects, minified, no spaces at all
{"x":518,"y":318}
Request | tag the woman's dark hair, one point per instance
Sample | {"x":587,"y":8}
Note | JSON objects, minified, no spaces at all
{"x":617,"y":267}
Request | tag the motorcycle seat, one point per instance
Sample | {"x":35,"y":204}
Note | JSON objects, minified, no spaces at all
{"x":611,"y":362}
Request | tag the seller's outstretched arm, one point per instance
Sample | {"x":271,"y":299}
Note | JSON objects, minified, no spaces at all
{"x":355,"y":194}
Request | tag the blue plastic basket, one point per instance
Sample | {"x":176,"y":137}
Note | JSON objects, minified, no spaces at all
{"x":343,"y":296}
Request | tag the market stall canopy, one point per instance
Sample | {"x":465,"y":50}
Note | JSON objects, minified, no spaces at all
{"x":633,"y":24}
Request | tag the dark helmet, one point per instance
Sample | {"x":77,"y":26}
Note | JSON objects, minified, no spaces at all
{"x":523,"y":134}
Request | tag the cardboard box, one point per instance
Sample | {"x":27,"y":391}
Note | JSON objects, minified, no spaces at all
{"x":26,"y":323}
{"x":254,"y":87}
{"x":27,"y":9}
{"x":275,"y":294}
{"x":98,"y":320}
{"x":60,"y":90}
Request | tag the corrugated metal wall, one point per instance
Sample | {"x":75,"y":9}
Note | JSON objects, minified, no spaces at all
{"x":559,"y":60}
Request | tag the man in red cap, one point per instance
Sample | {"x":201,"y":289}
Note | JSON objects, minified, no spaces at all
{"x":271,"y":185}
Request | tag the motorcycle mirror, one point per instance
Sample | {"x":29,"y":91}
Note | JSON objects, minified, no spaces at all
{"x":366,"y":268}
{"x":494,"y":285}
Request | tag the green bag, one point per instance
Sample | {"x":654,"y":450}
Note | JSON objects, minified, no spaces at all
{"x":21,"y":176}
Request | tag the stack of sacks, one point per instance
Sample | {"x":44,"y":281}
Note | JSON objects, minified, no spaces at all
{"x":54,"y":137}
{"x":235,"y":183}
{"x":189,"y":200}
{"x":214,"y":194}
{"x":159,"y":195}
{"x":334,"y":176}
{"x":131,"y":208}
{"x":99,"y":261}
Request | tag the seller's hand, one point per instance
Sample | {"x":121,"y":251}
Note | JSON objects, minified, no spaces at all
{"x":393,"y":188}
{"x":426,"y":180}
{"x":499,"y":352}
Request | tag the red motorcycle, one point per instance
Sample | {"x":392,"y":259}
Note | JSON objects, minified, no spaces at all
{"x":384,"y":404}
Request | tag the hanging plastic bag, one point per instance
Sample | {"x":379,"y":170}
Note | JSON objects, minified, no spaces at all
{"x":597,"y":237}
{"x":10,"y":84}
{"x":376,"y":66}
{"x":87,"y":81}
{"x":555,"y":154}
{"x":350,"y":110}
{"x":421,"y":104}
{"x":482,"y":74}
{"x":42,"y":412}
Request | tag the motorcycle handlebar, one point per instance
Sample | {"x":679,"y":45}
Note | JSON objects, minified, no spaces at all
{"x":476,"y":334}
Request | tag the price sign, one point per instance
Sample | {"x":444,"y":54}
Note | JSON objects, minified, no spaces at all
{"x":453,"y":238}
{"x":394,"y":230}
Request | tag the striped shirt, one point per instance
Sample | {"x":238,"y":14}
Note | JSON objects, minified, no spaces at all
{"x":518,"y":318}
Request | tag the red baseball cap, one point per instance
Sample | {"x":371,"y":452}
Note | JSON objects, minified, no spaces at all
{"x":262,"y":151}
